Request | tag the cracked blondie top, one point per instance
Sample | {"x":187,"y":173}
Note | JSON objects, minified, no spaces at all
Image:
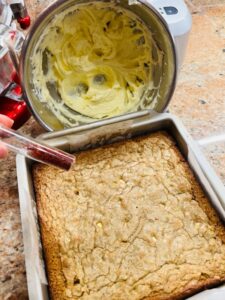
{"x":128,"y":222}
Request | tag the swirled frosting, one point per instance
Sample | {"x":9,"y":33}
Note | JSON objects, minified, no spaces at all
{"x":94,"y":60}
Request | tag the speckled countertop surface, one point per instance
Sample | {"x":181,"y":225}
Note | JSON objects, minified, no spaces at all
{"x":199,"y":101}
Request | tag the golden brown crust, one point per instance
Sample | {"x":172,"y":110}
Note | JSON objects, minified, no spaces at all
{"x":188,"y":292}
{"x":129,"y":222}
{"x":50,"y":245}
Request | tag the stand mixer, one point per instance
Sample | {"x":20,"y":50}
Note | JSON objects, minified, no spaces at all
{"x":174,"y":12}
{"x":11,"y":102}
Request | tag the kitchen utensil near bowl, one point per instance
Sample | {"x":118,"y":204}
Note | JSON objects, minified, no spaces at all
{"x":11,"y":40}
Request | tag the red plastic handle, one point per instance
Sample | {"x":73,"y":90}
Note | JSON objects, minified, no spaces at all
{"x":17,"y":111}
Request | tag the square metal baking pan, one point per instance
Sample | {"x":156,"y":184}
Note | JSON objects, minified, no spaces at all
{"x":94,"y":135}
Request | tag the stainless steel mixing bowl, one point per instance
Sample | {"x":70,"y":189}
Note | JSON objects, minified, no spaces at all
{"x":164,"y":77}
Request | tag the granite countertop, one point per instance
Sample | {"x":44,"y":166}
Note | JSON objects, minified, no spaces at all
{"x":199,"y":101}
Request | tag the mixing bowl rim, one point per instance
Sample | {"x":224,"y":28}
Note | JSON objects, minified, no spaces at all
{"x":41,"y":18}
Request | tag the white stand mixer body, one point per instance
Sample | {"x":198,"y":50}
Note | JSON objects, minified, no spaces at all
{"x":179,"y":20}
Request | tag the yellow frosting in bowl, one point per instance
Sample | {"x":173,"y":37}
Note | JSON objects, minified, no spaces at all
{"x":95,"y":60}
